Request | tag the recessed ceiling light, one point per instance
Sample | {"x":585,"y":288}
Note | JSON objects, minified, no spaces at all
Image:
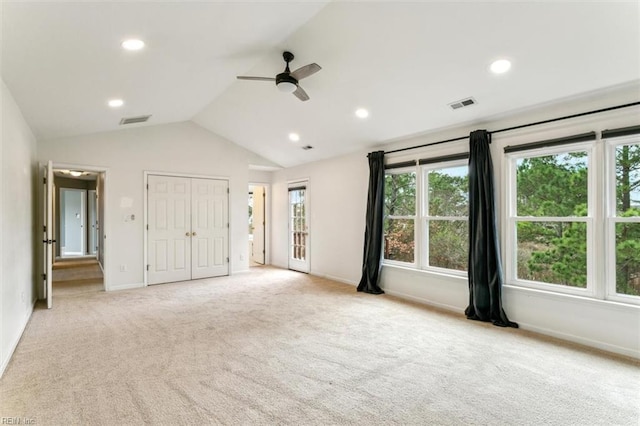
{"x":115,"y":103}
{"x":294,"y":137}
{"x":75,"y":173}
{"x":133,"y":44}
{"x":362,"y":113}
{"x":500,"y":66}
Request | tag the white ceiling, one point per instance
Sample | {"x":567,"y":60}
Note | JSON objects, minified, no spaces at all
{"x":404,"y":61}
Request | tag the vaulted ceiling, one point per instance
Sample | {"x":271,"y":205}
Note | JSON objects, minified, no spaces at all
{"x":403,"y":61}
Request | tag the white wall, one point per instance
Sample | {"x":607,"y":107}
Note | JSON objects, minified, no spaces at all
{"x":338,"y":200}
{"x":172,"y":148}
{"x":17,"y":225}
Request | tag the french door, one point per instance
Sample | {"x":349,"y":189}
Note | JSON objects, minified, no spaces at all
{"x":298,"y":227}
{"x":188,"y":228}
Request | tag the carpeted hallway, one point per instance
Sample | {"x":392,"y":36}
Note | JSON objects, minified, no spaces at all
{"x":277,"y":347}
{"x":74,"y":276}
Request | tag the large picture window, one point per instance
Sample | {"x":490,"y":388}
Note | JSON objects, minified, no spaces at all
{"x":566,"y":233}
{"x":426,"y":219}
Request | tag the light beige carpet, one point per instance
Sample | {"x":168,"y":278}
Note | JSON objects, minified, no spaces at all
{"x":278,"y":347}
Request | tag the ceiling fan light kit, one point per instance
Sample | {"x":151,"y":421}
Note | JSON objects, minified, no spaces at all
{"x":287,"y":81}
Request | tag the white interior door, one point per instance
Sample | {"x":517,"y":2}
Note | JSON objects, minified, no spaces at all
{"x":169,"y":235}
{"x":209,"y":228}
{"x":188,"y":228}
{"x":48,"y":234}
{"x":298,"y":228}
{"x":258,"y":252}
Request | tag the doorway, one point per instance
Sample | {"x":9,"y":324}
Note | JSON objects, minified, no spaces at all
{"x":257,"y":225}
{"x":73,"y":216}
{"x":72,"y":220}
{"x":187,"y":228}
{"x":299,"y":227}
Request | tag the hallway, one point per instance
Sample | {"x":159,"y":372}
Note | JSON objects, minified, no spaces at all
{"x":76,"y":276}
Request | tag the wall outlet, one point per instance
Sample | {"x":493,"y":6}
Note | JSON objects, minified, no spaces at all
{"x":123,"y":268}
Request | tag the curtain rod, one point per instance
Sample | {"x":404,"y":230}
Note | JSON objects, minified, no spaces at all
{"x":566,"y":117}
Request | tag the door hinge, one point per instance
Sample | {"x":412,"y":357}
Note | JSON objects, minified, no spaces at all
{"x":227,"y":260}
{"x":147,"y":186}
{"x":44,"y":228}
{"x":227,"y":224}
{"x":44,"y":277}
{"x":147,"y":267}
{"x":147,"y":226}
{"x":227,"y":190}
{"x":44,"y":181}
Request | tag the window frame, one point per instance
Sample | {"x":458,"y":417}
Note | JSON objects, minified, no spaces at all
{"x":425,"y":169}
{"x":416,"y":249}
{"x":512,"y":218}
{"x":611,"y":217}
{"x":421,"y":217}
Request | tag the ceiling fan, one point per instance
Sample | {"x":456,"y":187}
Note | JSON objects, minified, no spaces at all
{"x":287,"y":81}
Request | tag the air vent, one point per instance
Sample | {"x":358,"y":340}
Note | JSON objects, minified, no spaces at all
{"x":307,"y":147}
{"x":463,"y":103}
{"x":132,"y":120}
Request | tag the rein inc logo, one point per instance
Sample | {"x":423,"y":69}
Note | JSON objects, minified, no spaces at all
{"x":17,"y":421}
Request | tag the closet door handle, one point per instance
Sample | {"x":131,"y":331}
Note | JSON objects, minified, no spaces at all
{"x":193,"y":234}
{"x":187,"y":234}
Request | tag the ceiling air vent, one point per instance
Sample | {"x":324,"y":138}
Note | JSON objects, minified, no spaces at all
{"x":463,"y":103}
{"x":307,"y":147}
{"x":132,"y":120}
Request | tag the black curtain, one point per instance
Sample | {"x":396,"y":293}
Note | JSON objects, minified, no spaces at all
{"x":373,"y":230}
{"x":485,"y":269}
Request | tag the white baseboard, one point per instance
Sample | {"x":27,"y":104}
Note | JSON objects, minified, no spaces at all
{"x":444,"y":306}
{"x":339,"y":279}
{"x":125,"y":286}
{"x":14,"y":345}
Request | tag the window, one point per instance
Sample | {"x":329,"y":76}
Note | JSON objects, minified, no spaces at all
{"x":567,"y":234}
{"x":550,"y":220}
{"x":623,"y":227}
{"x":400,"y":216}
{"x":426,"y":220}
{"x":445,"y":219}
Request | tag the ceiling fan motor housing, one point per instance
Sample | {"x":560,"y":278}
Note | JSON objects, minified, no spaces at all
{"x":285,"y":77}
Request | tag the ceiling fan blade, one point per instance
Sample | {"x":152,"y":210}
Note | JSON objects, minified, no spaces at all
{"x":301,"y":94}
{"x":242,"y":77}
{"x":306,"y":71}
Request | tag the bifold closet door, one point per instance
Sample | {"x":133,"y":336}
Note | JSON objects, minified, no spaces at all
{"x":169,"y":211}
{"x":209,"y":228}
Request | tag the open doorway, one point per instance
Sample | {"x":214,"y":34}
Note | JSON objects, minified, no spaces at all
{"x":257,"y":225}
{"x":78,"y":212}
